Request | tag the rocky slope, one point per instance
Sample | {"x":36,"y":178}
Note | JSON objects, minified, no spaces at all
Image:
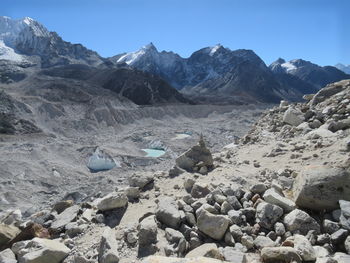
{"x":281,"y":195}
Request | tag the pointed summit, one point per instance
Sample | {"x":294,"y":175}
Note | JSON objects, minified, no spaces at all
{"x":149,"y":46}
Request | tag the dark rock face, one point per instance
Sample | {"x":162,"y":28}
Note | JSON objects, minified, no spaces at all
{"x":308,"y":72}
{"x":139,"y":87}
{"x":10,"y":121}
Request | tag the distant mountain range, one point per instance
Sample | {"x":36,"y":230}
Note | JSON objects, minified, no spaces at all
{"x":344,"y":68}
{"x":210,"y":75}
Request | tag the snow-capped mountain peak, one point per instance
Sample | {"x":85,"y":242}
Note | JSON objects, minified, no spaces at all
{"x":214,"y":49}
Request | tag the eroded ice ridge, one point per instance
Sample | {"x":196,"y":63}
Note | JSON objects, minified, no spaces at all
{"x":101,"y":161}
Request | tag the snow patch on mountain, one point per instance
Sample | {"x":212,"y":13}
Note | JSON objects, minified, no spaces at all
{"x":8,"y":53}
{"x":288,"y":66}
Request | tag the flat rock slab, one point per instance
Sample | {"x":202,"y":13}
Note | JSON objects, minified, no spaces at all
{"x":65,"y":217}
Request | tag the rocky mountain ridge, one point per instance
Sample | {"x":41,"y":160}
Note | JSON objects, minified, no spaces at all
{"x":344,"y":68}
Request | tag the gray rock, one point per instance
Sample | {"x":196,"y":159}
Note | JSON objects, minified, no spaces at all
{"x":268,"y":214}
{"x":167,"y":212}
{"x":212,"y":225}
{"x":228,"y":238}
{"x":73,"y":229}
{"x":7,"y":256}
{"x":39,"y":250}
{"x":321,"y":188}
{"x":236,"y":233}
{"x":339,"y":236}
{"x":236,"y":217}
{"x":261,"y":242}
{"x":347,"y":245}
{"x":177,"y":238}
{"x":112,"y":201}
{"x":300,"y":221}
{"x":140,"y":179}
{"x":197,"y":154}
{"x":225,"y":207}
{"x":7,"y":233}
{"x":247,"y":241}
{"x":280,"y":254}
{"x":280,"y":229}
{"x":326,"y":260}
{"x":321,"y":252}
{"x":341,"y":257}
{"x":231,"y":255}
{"x":132,"y":192}
{"x":188,"y":184}
{"x":209,"y":250}
{"x":200,"y":190}
{"x":330,"y":227}
{"x":233,"y":201}
{"x":293,"y":116}
{"x":67,"y":216}
{"x":303,"y":246}
{"x":148,"y":231}
{"x":259,"y":188}
{"x":344,"y":218}
{"x":273,"y":197}
{"x":108,"y":250}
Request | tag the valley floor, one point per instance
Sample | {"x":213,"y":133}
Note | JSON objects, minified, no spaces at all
{"x":38,"y":169}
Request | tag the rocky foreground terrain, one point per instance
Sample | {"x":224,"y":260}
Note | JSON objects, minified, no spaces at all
{"x":281,"y":195}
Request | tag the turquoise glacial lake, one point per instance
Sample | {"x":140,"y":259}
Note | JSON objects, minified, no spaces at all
{"x":153,"y":152}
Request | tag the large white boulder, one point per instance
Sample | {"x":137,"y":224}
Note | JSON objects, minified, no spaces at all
{"x":39,"y":250}
{"x":320,"y":188}
{"x":293,"y":116}
{"x":212,"y":225}
{"x":112,"y":201}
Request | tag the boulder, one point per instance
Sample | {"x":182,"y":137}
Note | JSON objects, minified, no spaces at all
{"x":60,"y":206}
{"x":7,"y":256}
{"x":177,"y":239}
{"x":160,"y":259}
{"x":209,"y":250}
{"x":199,"y":190}
{"x":212,"y":225}
{"x":300,"y":221}
{"x":39,"y":250}
{"x":231,"y":255}
{"x":67,"y":216}
{"x":344,"y":218}
{"x":140,"y":179}
{"x":7,"y":233}
{"x":280,"y":254}
{"x":303,"y":246}
{"x":168,"y":213}
{"x":112,"y":201}
{"x":293,"y":116}
{"x":273,"y":197}
{"x":195,"y":155}
{"x":108,"y":250}
{"x":320,"y":188}
{"x":268,"y":214}
{"x":30,"y":231}
{"x":148,"y":231}
{"x":261,"y":242}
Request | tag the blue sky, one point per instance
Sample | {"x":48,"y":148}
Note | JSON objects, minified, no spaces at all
{"x":315,"y":30}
